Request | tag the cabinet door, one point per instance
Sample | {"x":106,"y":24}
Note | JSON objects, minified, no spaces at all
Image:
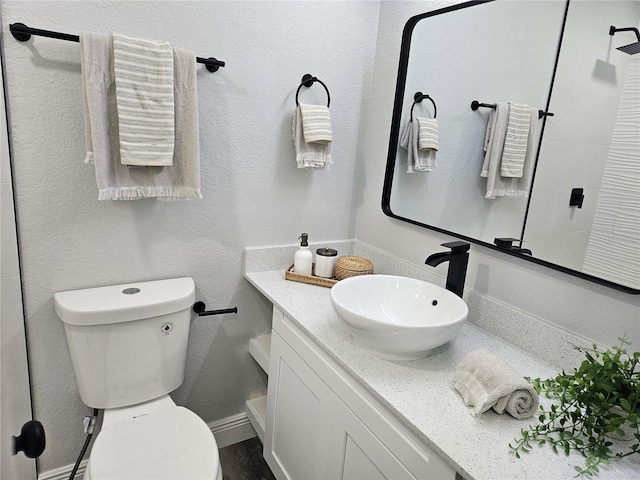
{"x":355,"y":453}
{"x":298,"y":414}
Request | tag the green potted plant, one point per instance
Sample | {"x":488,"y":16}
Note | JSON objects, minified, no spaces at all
{"x":595,"y":409}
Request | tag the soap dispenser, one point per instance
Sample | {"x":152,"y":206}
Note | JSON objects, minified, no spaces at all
{"x":303,"y":260}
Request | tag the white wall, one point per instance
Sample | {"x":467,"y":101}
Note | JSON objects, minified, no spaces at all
{"x":585,"y":308}
{"x":254,"y":194}
{"x":15,"y":402}
{"x":586,"y":96}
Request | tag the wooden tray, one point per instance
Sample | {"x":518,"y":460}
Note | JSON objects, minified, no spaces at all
{"x":289,"y":274}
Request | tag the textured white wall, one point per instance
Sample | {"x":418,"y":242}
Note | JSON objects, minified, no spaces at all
{"x":254,"y":195}
{"x":582,"y":307}
{"x":613,"y":251}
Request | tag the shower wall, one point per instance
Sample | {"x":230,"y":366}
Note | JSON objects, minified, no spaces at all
{"x":586,"y":95}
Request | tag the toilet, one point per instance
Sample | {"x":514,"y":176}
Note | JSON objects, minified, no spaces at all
{"x":128,"y":345}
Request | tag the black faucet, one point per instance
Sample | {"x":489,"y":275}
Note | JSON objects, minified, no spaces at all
{"x":507,"y":244}
{"x":458,"y":259}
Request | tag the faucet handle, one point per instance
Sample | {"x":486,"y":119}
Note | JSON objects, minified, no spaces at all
{"x":457,"y":246}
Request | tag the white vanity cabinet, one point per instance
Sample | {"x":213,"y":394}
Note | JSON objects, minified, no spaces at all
{"x":321,"y":425}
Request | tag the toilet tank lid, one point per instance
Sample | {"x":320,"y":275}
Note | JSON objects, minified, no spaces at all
{"x":126,"y":302}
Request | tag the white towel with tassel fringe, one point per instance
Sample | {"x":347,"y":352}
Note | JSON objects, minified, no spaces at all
{"x":120,"y":182}
{"x":309,"y":155}
{"x":486,"y":381}
{"x":417,"y":160}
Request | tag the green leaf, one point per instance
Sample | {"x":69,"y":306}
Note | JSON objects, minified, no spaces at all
{"x":624,"y":403}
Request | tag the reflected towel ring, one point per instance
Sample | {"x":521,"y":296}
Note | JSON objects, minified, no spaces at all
{"x":307,"y":81}
{"x":418,"y":98}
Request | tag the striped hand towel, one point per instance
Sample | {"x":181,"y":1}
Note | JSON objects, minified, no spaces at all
{"x":316,"y":123}
{"x":515,"y":142}
{"x":428,"y":133}
{"x":145,"y":102}
{"x":417,"y":160}
{"x":309,"y":155}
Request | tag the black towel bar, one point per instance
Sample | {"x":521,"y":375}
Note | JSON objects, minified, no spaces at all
{"x":307,"y":81}
{"x":476,"y":104}
{"x":23,"y":33}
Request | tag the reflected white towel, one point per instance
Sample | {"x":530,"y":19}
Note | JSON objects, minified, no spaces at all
{"x":486,"y":381}
{"x":309,"y":155}
{"x":515,"y":142}
{"x":120,"y":182}
{"x":143,"y":72}
{"x":417,"y":160}
{"x":428,"y":133}
{"x":316,"y":123}
{"x":498,"y":186}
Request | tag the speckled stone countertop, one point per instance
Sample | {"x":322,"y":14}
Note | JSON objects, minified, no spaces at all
{"x":420,"y":394}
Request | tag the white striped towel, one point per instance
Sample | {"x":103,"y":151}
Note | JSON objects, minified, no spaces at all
{"x":145,"y":100}
{"x":486,"y":381}
{"x":309,"y":155}
{"x":428,"y":133}
{"x":515,"y":143}
{"x":316,"y":123}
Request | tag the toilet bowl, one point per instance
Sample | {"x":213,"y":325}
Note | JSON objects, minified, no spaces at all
{"x":128,"y":347}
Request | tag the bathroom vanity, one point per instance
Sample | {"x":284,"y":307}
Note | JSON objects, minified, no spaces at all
{"x":334,"y":410}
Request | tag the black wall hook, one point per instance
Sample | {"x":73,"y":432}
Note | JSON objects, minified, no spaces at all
{"x":307,"y":81}
{"x":201,"y":309}
{"x":418,"y":98}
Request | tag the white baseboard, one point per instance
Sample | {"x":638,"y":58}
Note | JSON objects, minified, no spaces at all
{"x":230,"y":430}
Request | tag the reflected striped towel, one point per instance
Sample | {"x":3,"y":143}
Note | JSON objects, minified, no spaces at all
{"x":316,"y":123}
{"x":144,"y":97}
{"x":428,"y":133}
{"x":515,"y":142}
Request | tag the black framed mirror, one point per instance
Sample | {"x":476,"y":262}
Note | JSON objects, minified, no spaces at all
{"x":576,"y":205}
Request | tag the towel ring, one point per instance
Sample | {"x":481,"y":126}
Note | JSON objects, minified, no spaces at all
{"x":307,"y":81}
{"x":418,"y":98}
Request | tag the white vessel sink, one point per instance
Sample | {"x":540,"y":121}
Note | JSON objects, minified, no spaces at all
{"x":398,"y":318}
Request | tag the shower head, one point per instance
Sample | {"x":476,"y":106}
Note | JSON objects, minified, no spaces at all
{"x":632,"y":48}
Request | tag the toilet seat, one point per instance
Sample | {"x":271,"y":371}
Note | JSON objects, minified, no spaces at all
{"x":172,"y":443}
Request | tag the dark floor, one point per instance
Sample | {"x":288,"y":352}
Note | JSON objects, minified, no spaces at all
{"x":243,"y":461}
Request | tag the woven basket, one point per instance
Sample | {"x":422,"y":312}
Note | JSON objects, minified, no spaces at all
{"x":351,"y":266}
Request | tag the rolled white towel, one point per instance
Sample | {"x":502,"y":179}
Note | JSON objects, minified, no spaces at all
{"x":486,"y":381}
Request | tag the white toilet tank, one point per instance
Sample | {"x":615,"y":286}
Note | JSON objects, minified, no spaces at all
{"x":128,"y":343}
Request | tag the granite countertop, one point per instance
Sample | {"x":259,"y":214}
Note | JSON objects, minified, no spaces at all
{"x":420,"y":393}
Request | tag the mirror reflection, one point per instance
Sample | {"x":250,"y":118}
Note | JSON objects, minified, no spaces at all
{"x":562,"y":190}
